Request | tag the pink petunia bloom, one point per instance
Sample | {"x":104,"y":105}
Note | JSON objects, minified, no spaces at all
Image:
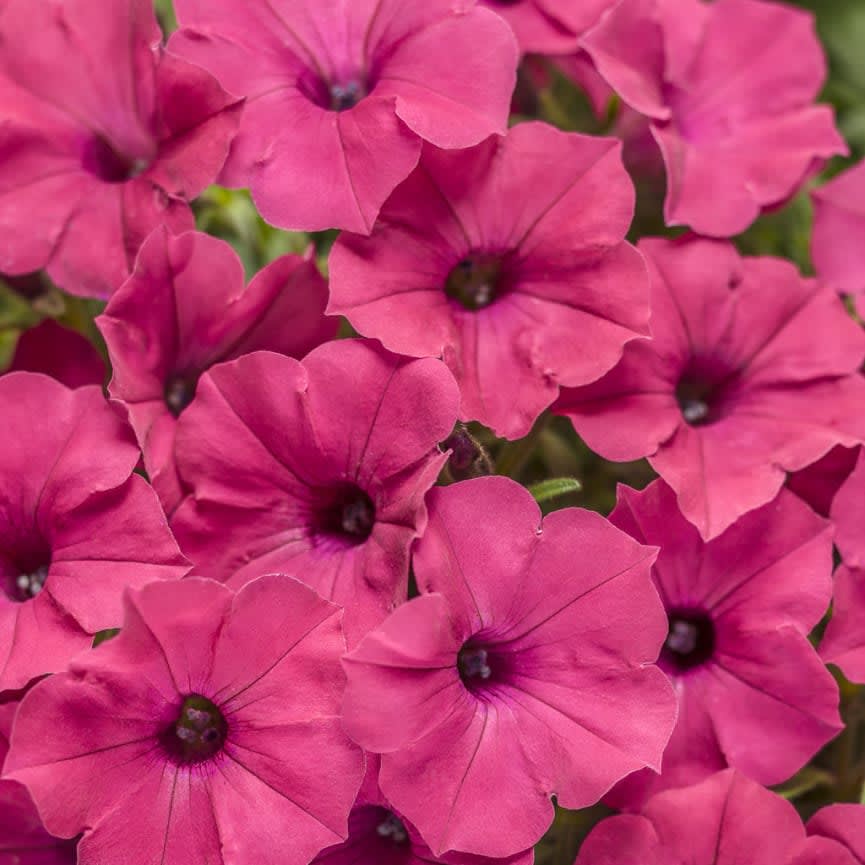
{"x":105,"y":136}
{"x":185,"y":308}
{"x":76,"y":526}
{"x":549,"y":26}
{"x":207,"y":731}
{"x":316,"y":469}
{"x":727,"y":819}
{"x":377,"y":835}
{"x":836,"y":836}
{"x":753,"y":693}
{"x":509,"y":262}
{"x":342,"y":93}
{"x":729,"y":87}
{"x":524,"y":669}
{"x":839,"y":226}
{"x":752,"y":371}
{"x":57,"y":351}
{"x":848,"y":514}
{"x":23,"y":839}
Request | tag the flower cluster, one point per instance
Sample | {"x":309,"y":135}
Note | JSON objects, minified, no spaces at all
{"x":333,"y":325}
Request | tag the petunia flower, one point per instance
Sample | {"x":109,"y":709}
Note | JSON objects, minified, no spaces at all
{"x":836,"y":836}
{"x":549,"y":26}
{"x":57,"y":351}
{"x":185,"y":308}
{"x":752,"y":371}
{"x":753,"y":693}
{"x":316,"y":469}
{"x":729,"y":87}
{"x":839,"y":226}
{"x":377,"y":835}
{"x":727,"y":819}
{"x":207,"y":731}
{"x":341,"y":94}
{"x":76,"y":525}
{"x":524,"y":669}
{"x":509,"y":262}
{"x":105,"y":136}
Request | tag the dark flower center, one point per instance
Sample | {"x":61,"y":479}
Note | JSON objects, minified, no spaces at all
{"x":704,"y":392}
{"x":690,"y":640}
{"x":347,"y":513}
{"x":480,"y":666}
{"x":102,"y":160}
{"x":27,"y":585}
{"x":344,"y":96}
{"x":476,"y":281}
{"x":198,"y":734}
{"x":179,"y":392}
{"x":392,"y":829}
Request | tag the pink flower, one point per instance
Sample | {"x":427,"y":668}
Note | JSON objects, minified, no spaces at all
{"x":76,"y":526}
{"x":105,"y":137}
{"x":377,"y":835}
{"x":363,"y":83}
{"x":316,"y":469}
{"x":524,"y":669}
{"x":207,"y":731}
{"x":725,"y":820}
{"x":839,"y":225}
{"x":752,"y":371}
{"x":729,"y":87}
{"x":836,"y":836}
{"x":186,"y":308}
{"x":62,"y":353}
{"x":549,"y":26}
{"x":753,"y":694}
{"x":509,"y":262}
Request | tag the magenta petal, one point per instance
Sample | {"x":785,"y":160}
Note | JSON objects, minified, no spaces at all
{"x":62,"y":353}
{"x":839,"y":217}
{"x":406,"y":669}
{"x":328,"y":173}
{"x":23,"y":840}
{"x":86,"y":725}
{"x":848,"y":513}
{"x":843,"y":825}
{"x":444,"y":791}
{"x":844,"y":641}
{"x":451,"y":82}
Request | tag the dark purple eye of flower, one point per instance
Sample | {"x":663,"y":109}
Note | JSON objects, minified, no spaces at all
{"x":392,"y":829}
{"x":347,"y":95}
{"x":179,"y":392}
{"x":346,"y":512}
{"x":480,"y":666}
{"x":476,"y":281}
{"x":690,"y":640}
{"x":108,"y":164}
{"x":27,"y":585}
{"x":198,"y":734}
{"x":703,"y":392}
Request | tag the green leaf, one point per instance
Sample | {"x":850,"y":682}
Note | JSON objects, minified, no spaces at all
{"x":545,"y":491}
